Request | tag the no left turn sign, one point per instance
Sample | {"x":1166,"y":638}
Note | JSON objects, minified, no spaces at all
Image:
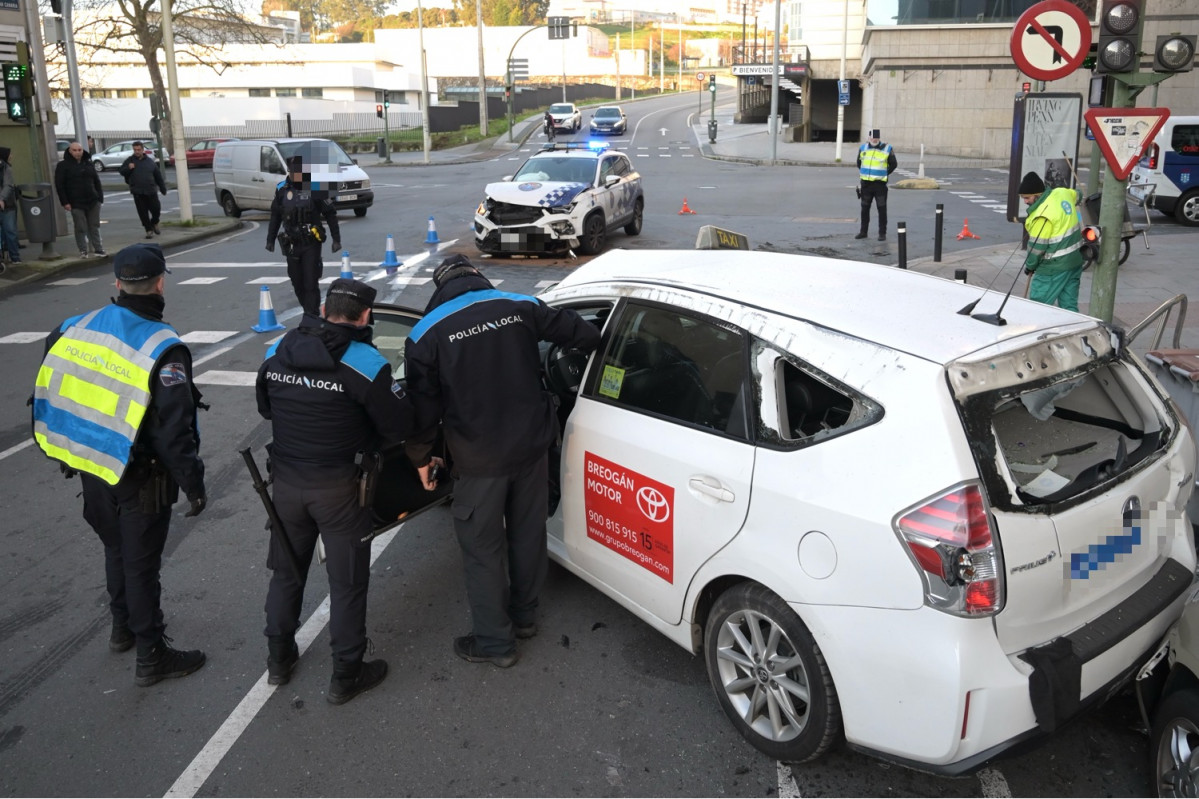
{"x":1051,"y":39}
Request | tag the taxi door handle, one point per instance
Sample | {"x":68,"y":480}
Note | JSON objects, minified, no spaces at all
{"x":711,"y":487}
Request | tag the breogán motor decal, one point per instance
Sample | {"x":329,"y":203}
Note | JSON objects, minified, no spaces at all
{"x":630,"y":514}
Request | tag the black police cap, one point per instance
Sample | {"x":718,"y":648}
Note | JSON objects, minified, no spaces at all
{"x":353,"y":288}
{"x":139,"y":262}
{"x":452,"y":267}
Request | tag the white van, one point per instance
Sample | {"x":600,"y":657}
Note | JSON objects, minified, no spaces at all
{"x":1168,"y":174}
{"x":245,"y":173}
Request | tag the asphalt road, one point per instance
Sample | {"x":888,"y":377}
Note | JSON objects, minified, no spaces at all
{"x":600,"y":705}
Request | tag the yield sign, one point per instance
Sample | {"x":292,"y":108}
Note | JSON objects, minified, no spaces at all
{"x":1051,"y":39}
{"x":1123,"y":134}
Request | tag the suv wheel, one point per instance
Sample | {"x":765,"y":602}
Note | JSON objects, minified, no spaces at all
{"x":595,"y":233}
{"x":634,"y":225}
{"x":769,"y":675}
{"x":98,"y":164}
{"x":1174,"y":738}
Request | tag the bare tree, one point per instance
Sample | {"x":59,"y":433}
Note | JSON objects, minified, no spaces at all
{"x":134,"y":27}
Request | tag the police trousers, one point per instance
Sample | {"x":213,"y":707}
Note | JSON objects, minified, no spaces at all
{"x":874,"y":191}
{"x":133,"y":544}
{"x":331,"y":512}
{"x":500,"y":523}
{"x":304,"y":267}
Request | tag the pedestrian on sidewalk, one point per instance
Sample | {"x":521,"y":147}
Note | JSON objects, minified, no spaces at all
{"x":296,"y":214}
{"x":876,"y":162}
{"x":130,"y":431}
{"x":141,"y":172}
{"x":8,"y":209}
{"x":81,"y":194}
{"x":1054,"y":242}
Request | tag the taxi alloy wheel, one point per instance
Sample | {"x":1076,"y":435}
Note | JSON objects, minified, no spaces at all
{"x":595,"y":234}
{"x":770,"y":676}
{"x":1187,"y":209}
{"x":1175,"y":745}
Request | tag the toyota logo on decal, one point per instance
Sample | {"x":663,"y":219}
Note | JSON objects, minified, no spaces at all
{"x":653,"y":504}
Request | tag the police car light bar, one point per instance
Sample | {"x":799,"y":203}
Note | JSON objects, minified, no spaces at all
{"x":575,"y":145}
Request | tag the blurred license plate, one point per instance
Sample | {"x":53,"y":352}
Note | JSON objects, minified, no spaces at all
{"x":347,"y":197}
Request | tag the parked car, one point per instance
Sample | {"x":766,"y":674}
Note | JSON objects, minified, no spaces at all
{"x":609,"y":119}
{"x":245,"y":173}
{"x":114,"y":155}
{"x":63,"y":144}
{"x":200,"y":154}
{"x":566,"y":116}
{"x":877,"y":519}
{"x":567,"y":195}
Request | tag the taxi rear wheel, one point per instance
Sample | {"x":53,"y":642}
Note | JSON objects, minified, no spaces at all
{"x":595,"y":233}
{"x":1174,"y":743}
{"x":770,"y":676}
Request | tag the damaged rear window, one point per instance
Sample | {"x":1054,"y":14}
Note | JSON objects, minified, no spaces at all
{"x":1058,"y":439}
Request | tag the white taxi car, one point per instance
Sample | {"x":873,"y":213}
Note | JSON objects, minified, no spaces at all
{"x":879,"y":509}
{"x":568,"y":195}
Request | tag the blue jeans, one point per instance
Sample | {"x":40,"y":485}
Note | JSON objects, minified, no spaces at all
{"x":8,"y":233}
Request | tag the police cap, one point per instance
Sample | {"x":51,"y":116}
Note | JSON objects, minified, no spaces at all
{"x":139,"y":262}
{"x":353,"y":288}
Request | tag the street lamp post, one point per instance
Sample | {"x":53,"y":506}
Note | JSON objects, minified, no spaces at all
{"x":424,"y":81}
{"x":841,"y":108}
{"x":482,"y":71}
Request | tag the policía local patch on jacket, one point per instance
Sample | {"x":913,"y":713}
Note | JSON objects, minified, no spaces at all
{"x":172,"y":374}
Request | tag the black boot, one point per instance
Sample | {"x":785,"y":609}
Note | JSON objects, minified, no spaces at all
{"x":282,"y":657}
{"x":861,"y":234}
{"x":163,"y":662}
{"x":121,"y":639}
{"x":353,"y":677}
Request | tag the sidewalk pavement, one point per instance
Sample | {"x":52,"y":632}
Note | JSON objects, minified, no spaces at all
{"x":1147,"y":281}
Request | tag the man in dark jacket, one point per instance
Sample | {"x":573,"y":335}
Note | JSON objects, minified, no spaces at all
{"x":9,"y":243}
{"x":141,"y":172}
{"x":114,"y":400}
{"x":330,"y":397}
{"x":296,"y":214}
{"x":473,"y":363}
{"x":81,"y":194}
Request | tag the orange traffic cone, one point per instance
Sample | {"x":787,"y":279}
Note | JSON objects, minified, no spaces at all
{"x":685,"y":209}
{"x":966,"y":234}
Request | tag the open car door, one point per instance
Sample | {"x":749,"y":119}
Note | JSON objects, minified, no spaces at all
{"x":400,"y":494}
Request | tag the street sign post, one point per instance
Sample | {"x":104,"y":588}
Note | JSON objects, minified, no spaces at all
{"x":842,"y":92}
{"x":1051,"y":39}
{"x":1123,"y":134}
{"x":699,"y":76}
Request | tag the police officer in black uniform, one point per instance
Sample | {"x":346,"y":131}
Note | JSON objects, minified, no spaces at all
{"x":296,"y":214}
{"x":133,"y":516}
{"x":330,"y":397}
{"x":474,"y":363}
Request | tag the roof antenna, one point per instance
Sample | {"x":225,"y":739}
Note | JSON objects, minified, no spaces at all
{"x":995,"y":318}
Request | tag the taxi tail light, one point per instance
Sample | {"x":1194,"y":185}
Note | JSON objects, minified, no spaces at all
{"x":954,"y":548}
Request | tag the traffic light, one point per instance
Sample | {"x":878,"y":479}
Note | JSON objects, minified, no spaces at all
{"x":386,"y":99}
{"x":1092,"y":239}
{"x":1120,"y":23}
{"x":1174,"y":52}
{"x":15,"y":98}
{"x":379,"y":110}
{"x":155,"y":105}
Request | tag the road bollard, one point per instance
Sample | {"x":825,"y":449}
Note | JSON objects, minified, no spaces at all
{"x":940,"y":222}
{"x":959,"y":275}
{"x":902,"y":233}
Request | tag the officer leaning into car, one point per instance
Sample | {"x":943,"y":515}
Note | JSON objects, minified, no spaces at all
{"x":296,"y":214}
{"x":114,"y":400}
{"x":473,"y":363}
{"x":333,"y":406}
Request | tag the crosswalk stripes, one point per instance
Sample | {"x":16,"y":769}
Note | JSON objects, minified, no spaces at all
{"x":73,"y":281}
{"x":982,"y":200}
{"x":200,"y":281}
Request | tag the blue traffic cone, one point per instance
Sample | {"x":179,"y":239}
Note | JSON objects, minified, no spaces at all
{"x":431,"y":236}
{"x":389,"y":257}
{"x":346,"y":271}
{"x":266,"y":313}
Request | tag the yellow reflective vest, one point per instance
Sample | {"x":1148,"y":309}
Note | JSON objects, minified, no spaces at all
{"x":93,"y":389}
{"x":873,"y":162}
{"x":1054,"y":232}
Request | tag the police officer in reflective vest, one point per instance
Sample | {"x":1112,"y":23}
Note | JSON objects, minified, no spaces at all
{"x":876,"y":162}
{"x":114,"y":401}
{"x":333,"y":405}
{"x":1054,"y":242}
{"x":296,"y":214}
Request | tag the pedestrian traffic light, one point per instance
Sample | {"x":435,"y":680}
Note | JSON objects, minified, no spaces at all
{"x":1174,"y":52}
{"x":1120,"y":23}
{"x":379,"y":110}
{"x":15,"y":98}
{"x":386,"y":99}
{"x":1092,"y":239}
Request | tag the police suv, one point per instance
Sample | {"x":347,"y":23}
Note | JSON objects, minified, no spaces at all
{"x":568,"y":195}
